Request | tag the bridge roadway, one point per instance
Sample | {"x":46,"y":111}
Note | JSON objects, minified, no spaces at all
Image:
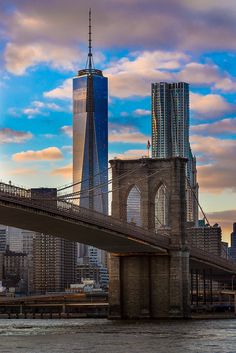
{"x":69,"y":221}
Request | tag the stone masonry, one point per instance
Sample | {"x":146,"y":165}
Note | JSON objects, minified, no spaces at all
{"x":151,"y":285}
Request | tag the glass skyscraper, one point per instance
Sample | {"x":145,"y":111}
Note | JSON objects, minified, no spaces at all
{"x":170,"y":132}
{"x":90,"y":136}
{"x":90,"y":140}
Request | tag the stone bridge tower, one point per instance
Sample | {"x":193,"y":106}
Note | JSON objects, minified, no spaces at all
{"x":151,"y":193}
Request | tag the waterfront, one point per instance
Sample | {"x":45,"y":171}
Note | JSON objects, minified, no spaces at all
{"x":104,"y":336}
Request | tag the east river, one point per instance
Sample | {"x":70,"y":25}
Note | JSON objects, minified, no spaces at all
{"x":103,"y":336}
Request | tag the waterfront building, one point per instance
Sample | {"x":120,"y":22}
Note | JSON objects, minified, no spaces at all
{"x":170,"y":134}
{"x":87,"y":271}
{"x":3,"y":235}
{"x":54,"y":262}
{"x":54,"y":259}
{"x":206,"y":238}
{"x":15,"y":271}
{"x":90,"y":139}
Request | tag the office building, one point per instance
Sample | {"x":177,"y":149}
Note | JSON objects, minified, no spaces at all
{"x":90,"y":139}
{"x":54,"y":259}
{"x":207,"y":238}
{"x":15,"y":271}
{"x":3,"y":236}
{"x":90,"y":136}
{"x":232,"y":249}
{"x":170,"y":134}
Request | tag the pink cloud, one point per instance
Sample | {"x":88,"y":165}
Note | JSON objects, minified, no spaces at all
{"x":126,"y":134}
{"x":225,"y":126}
{"x":210,"y":105}
{"x":47,"y":154}
{"x":130,"y":154}
{"x":219,"y":170}
{"x":224,"y":218}
{"x":8,"y":135}
{"x":65,"y":171}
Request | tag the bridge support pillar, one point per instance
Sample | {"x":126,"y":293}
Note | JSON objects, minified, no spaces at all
{"x":149,"y":286}
{"x":179,"y":284}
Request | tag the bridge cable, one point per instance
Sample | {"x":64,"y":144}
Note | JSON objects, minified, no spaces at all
{"x":100,"y":185}
{"x":61,"y":188}
{"x":196,"y":198}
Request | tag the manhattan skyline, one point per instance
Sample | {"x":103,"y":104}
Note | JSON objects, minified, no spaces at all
{"x":42,"y":50}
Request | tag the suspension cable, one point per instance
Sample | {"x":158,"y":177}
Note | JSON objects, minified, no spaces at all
{"x":68,"y":186}
{"x":100,"y":185}
{"x":116,"y":189}
{"x":196,"y":198}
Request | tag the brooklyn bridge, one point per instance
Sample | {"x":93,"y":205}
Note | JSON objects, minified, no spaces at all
{"x":155,"y":271}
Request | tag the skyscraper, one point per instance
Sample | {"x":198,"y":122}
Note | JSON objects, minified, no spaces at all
{"x":90,"y":135}
{"x":170,"y":132}
{"x":54,"y":259}
{"x":90,"y":138}
{"x":232,"y":249}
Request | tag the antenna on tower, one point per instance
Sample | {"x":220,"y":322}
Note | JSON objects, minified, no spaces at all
{"x":89,"y":63}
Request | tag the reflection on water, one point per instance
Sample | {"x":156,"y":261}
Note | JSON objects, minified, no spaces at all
{"x":103,"y":336}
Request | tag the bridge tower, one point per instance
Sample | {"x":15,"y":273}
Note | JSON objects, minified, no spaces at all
{"x":151,"y":285}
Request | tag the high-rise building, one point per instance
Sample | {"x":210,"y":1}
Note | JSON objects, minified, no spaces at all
{"x":206,"y":238}
{"x":232,"y":249}
{"x":90,"y":135}
{"x":3,"y":238}
{"x":170,"y":133}
{"x":90,"y":138}
{"x":53,"y":263}
{"x":54,"y":259}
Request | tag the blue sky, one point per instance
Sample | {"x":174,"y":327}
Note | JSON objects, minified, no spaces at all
{"x":43,"y":44}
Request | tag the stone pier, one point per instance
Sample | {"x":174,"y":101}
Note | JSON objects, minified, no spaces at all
{"x":151,"y":285}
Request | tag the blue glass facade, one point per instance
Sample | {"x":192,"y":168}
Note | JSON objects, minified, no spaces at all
{"x":90,"y":139}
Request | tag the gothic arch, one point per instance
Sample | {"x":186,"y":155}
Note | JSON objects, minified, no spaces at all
{"x":161,"y":207}
{"x":133,"y":206}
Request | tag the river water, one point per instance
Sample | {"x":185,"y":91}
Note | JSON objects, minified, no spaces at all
{"x":104,"y":336}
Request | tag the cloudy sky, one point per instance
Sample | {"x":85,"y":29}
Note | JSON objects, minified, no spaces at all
{"x":136,"y":42}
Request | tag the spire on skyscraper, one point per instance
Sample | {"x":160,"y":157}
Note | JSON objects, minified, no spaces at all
{"x":90,"y":64}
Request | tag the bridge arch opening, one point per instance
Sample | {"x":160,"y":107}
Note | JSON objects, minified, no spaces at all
{"x":134,"y":206}
{"x":161,"y":207}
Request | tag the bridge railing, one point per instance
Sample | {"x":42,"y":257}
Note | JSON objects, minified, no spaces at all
{"x":14,"y":190}
{"x":208,"y":257}
{"x":72,"y":211}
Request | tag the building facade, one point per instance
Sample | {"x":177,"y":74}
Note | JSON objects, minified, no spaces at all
{"x":207,"y":238}
{"x":232,"y":249}
{"x":54,"y":259}
{"x":170,"y":134}
{"x":90,"y":139}
{"x":15,"y":271}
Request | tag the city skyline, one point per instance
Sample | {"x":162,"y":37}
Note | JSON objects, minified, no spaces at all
{"x":40,"y":58}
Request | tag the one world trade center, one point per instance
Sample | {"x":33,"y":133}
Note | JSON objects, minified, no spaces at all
{"x":90,"y":135}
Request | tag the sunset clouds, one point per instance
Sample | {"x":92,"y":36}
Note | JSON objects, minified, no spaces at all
{"x":12,"y":136}
{"x":217,"y":170}
{"x":135,"y":43}
{"x":47,"y":154}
